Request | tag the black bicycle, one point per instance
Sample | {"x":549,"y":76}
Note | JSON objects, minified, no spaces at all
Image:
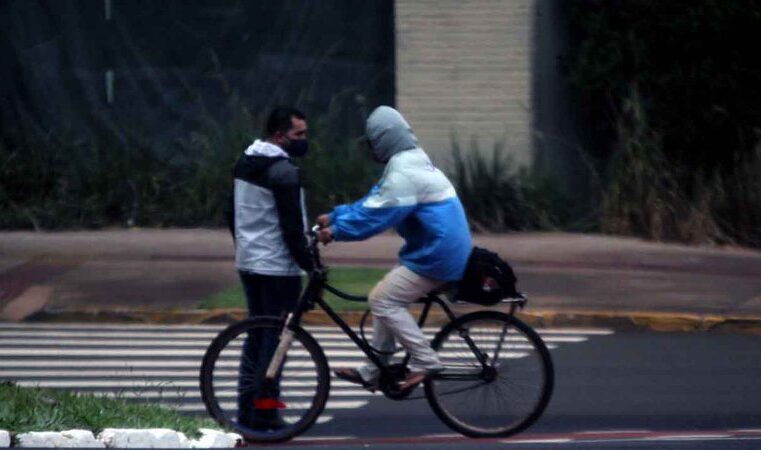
{"x":497,"y":379}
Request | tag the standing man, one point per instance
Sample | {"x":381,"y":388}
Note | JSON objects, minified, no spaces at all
{"x":417,"y":200}
{"x":268,"y":224}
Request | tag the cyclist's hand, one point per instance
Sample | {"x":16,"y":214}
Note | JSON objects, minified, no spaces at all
{"x":325,"y":235}
{"x":323,"y":221}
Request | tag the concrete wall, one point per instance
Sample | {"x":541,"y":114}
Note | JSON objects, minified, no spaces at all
{"x":560,"y":132}
{"x":464,"y":67}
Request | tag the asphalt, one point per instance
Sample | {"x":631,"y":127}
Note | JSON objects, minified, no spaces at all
{"x":149,"y":275}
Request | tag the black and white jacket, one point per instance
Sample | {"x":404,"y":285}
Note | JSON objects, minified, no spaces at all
{"x":268,"y":214}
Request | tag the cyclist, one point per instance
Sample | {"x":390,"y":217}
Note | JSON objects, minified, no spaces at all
{"x":418,"y":200}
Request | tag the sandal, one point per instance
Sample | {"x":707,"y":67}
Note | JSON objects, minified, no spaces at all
{"x":415,"y":378}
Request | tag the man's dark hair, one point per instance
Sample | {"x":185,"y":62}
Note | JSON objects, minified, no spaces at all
{"x":280,"y":120}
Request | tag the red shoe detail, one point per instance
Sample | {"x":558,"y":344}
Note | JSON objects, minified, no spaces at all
{"x":268,"y":403}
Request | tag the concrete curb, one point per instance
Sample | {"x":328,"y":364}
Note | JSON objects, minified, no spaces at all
{"x":121,"y":438}
{"x":645,"y":320}
{"x":619,"y":320}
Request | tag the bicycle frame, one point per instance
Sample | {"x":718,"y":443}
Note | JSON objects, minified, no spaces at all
{"x":313,"y":295}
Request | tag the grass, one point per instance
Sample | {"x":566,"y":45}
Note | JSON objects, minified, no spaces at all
{"x":24,"y":409}
{"x":352,"y":280}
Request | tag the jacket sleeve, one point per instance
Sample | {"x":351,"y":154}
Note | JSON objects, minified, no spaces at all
{"x":287,"y":192}
{"x":384,"y":207}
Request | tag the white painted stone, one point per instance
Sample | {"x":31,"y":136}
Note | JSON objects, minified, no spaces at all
{"x":148,"y":438}
{"x":5,"y":439}
{"x":63,"y":439}
{"x":216,"y":439}
{"x":83,"y":438}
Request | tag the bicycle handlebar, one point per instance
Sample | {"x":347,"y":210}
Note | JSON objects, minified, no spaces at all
{"x":313,"y":245}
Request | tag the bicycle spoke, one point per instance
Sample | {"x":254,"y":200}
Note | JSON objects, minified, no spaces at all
{"x":238,"y":395}
{"x":513,"y":385}
{"x":499,"y":344}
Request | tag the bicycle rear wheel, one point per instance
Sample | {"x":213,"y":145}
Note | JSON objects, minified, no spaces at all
{"x":499,"y":393}
{"x":235,"y":392}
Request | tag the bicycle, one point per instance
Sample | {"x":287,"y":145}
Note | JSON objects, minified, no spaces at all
{"x":491,"y":358}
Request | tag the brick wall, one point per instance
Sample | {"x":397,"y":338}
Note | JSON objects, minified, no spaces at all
{"x":463,"y":66}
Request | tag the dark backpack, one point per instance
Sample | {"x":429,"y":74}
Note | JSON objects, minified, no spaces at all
{"x":487,"y":280}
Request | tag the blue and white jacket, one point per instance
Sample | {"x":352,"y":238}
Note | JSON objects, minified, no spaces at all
{"x":414,"y":197}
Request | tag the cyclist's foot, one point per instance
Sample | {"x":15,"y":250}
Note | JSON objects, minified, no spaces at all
{"x":415,"y":378}
{"x":353,"y":376}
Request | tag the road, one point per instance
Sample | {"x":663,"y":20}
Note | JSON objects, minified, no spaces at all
{"x":613,"y":389}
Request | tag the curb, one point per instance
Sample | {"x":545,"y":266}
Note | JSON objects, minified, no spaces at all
{"x":120,"y":438}
{"x":619,"y":320}
{"x":644,"y":320}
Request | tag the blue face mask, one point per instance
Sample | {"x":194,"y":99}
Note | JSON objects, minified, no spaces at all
{"x":297,"y":147}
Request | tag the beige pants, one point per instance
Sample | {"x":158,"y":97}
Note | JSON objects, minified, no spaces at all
{"x":392,"y":322}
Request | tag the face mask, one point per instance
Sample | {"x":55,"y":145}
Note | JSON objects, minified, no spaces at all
{"x":297,"y":147}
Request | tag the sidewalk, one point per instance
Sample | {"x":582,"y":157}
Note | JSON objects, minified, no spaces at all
{"x":570,"y":279}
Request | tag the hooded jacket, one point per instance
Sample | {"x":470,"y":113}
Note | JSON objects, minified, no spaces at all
{"x":268,"y":219}
{"x":412,"y":196}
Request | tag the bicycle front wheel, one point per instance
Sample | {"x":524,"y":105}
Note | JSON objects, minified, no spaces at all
{"x":498,"y":375}
{"x":239,"y":397}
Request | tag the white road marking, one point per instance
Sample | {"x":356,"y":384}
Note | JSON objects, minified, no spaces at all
{"x":164,"y":394}
{"x":57,"y":352}
{"x":293,"y":406}
{"x":205,"y":331}
{"x":195,"y":344}
{"x":141,"y":384}
{"x":161,"y":362}
{"x":158,"y":340}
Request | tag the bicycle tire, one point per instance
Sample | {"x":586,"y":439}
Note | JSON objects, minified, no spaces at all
{"x":447,"y":396}
{"x":215,"y":373}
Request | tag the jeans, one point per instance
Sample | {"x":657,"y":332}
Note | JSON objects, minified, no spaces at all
{"x":266,"y":296}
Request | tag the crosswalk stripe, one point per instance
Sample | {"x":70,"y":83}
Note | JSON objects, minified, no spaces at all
{"x":57,"y":352}
{"x":118,"y":384}
{"x":163,"y":394}
{"x":201,"y":331}
{"x":160,"y":363}
{"x":293,"y":406}
{"x":74,"y":338}
{"x":168,"y":344}
{"x":230,"y":370}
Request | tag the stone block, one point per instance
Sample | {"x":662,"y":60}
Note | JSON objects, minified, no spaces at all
{"x":148,"y":438}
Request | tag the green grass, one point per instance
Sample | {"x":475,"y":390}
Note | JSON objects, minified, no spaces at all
{"x":352,"y":280}
{"x":24,"y":409}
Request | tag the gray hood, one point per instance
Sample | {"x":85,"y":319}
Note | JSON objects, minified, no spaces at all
{"x":389,"y":133}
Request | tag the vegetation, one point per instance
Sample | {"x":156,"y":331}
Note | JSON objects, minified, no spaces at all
{"x":53,"y":180}
{"x":670,"y":91}
{"x":352,"y":280}
{"x":498,"y":196}
{"x":674,"y":90}
{"x":25,"y":409}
